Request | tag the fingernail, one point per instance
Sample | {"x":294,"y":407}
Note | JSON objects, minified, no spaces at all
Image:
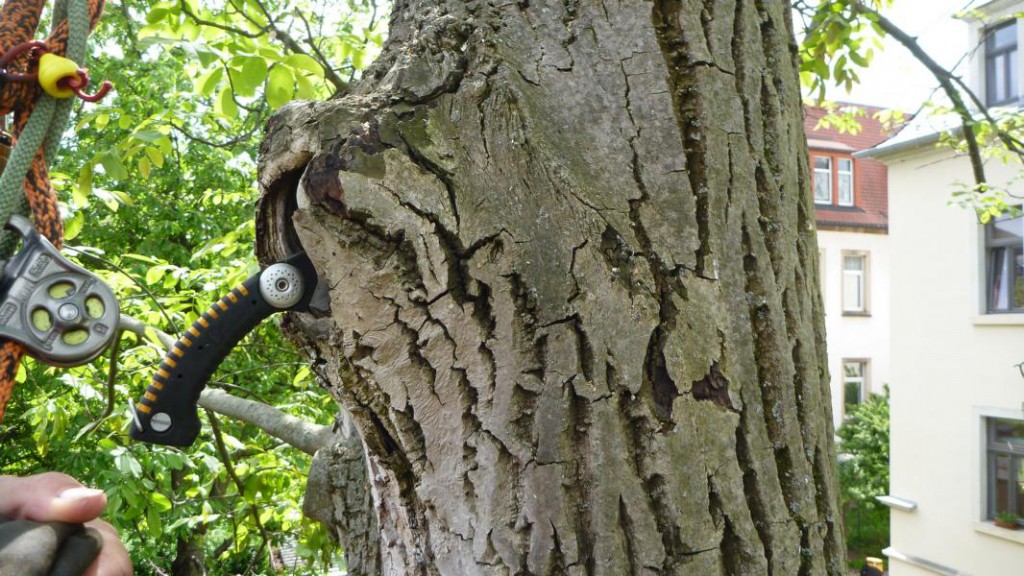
{"x":79,"y":493}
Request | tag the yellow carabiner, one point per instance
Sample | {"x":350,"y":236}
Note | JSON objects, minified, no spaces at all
{"x":53,"y":69}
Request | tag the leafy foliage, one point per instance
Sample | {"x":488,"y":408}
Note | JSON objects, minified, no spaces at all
{"x":839,"y":39}
{"x":864,"y":440}
{"x":158,"y":188}
{"x":864,"y":474}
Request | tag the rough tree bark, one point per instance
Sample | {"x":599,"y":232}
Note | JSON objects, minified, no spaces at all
{"x":573,"y":269}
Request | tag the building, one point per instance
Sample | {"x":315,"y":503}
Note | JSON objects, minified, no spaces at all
{"x":851,"y":211}
{"x":957,"y":338}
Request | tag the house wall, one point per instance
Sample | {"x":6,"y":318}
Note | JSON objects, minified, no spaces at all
{"x":856,"y":337}
{"x":988,"y":14}
{"x":951,"y":365}
{"x":857,"y":228}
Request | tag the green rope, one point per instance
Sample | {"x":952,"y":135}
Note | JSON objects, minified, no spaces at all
{"x":78,"y":36}
{"x":44,"y":128}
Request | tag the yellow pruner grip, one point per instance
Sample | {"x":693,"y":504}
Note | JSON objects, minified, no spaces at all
{"x":53,"y":69}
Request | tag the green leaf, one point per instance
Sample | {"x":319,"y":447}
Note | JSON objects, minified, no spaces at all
{"x":155,"y":156}
{"x":153,"y":276}
{"x":111,"y":198}
{"x":155,"y":15}
{"x":113,"y":166}
{"x":148,"y":135}
{"x":280,"y":86}
{"x":160,"y":502}
{"x":128,"y":465}
{"x":250,"y":76}
{"x":73,"y":226}
{"x":154,"y":522}
{"x":208,"y":82}
{"x":206,"y":57}
{"x":304,"y":62}
{"x":225,"y":105}
{"x":305,"y":90}
{"x":81,"y":193}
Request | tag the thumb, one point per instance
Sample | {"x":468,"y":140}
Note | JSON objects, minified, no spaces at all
{"x":49,"y":497}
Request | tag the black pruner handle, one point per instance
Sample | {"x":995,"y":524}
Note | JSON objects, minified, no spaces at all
{"x":167,"y":413}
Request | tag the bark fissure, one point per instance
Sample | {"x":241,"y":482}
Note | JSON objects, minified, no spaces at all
{"x":626,"y":525}
{"x":567,"y":318}
{"x":689,"y":108}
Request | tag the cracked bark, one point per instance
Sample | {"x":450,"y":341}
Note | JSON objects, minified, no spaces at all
{"x":574,"y":311}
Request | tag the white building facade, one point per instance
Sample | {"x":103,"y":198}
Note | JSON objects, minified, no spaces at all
{"x":855,"y":291}
{"x":851,"y":214}
{"x":957,"y":340}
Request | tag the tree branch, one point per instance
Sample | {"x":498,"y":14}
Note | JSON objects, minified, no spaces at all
{"x":186,"y":10}
{"x":229,"y":467}
{"x":340,"y":86}
{"x":200,"y":140}
{"x":320,"y":56}
{"x":946,"y":82}
{"x":294,"y":431}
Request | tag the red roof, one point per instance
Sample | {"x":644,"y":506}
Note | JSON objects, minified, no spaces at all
{"x":871,"y":192}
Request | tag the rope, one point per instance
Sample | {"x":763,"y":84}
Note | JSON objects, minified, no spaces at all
{"x":39,"y":122}
{"x":44,"y":129}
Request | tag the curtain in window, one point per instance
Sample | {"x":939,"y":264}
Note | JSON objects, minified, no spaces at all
{"x":845,"y":177}
{"x":1007,"y":278}
{"x":853,"y":284}
{"x":822,"y":180}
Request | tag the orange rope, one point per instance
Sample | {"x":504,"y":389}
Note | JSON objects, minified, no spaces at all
{"x":19,"y":20}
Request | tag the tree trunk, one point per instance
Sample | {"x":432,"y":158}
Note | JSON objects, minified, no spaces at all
{"x":573,"y":269}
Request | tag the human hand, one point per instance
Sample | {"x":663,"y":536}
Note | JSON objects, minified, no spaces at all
{"x":55,"y":497}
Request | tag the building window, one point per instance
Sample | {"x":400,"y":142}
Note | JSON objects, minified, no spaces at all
{"x":1001,"y":64}
{"x":855,"y":383}
{"x":1005,"y":476}
{"x":833,"y":173}
{"x":845,"y":179}
{"x":822,"y":180}
{"x":1004,"y":247}
{"x":855,"y":285}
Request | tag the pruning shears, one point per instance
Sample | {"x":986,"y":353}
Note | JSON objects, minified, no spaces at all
{"x":167,"y":412}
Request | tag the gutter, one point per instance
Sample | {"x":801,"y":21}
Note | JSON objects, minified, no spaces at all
{"x":888,"y":150}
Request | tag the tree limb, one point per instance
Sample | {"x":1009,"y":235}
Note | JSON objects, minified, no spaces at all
{"x":340,"y":86}
{"x":186,"y":10}
{"x":229,"y":467}
{"x":946,"y":82}
{"x":294,"y":431}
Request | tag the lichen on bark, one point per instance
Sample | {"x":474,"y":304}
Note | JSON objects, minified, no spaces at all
{"x":574,"y":315}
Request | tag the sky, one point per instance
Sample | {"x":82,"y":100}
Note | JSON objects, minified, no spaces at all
{"x":895,"y":79}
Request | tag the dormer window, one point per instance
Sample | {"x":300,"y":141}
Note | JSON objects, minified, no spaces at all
{"x":844,"y":176}
{"x":1001,"y":64}
{"x":833,"y":173}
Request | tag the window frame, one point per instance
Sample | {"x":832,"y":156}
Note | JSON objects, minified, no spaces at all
{"x":990,"y":246}
{"x":839,"y":178}
{"x":992,"y":451}
{"x":834,"y":177}
{"x":864,"y":283}
{"x":814,"y":182}
{"x":865,"y":382}
{"x":1005,"y":57}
